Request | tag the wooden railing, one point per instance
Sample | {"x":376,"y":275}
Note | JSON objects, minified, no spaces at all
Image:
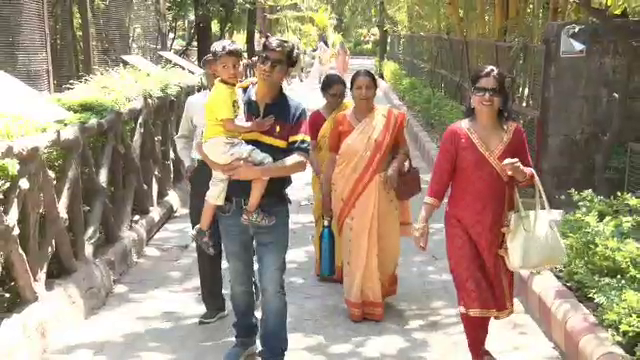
{"x":80,"y":189}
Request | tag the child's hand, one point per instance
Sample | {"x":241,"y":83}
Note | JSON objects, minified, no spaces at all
{"x":262,"y":124}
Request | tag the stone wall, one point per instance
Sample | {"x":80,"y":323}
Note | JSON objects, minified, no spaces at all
{"x":581,"y":97}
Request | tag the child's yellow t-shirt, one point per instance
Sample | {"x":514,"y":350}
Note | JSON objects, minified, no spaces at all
{"x":222,"y":104}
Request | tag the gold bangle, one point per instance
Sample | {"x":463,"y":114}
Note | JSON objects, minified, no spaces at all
{"x":431,"y":201}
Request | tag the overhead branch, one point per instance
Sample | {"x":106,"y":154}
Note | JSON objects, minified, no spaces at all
{"x":606,"y":20}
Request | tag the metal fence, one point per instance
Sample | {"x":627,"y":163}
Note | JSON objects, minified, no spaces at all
{"x":41,"y":41}
{"x":632,"y":175}
{"x":23,"y":42}
{"x":446,"y":63}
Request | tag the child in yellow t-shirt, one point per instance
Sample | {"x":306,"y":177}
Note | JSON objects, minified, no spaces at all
{"x":222,"y":144}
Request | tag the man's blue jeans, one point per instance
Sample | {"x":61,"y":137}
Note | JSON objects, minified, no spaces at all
{"x":271,"y":243}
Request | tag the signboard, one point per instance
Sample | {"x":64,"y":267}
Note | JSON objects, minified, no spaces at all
{"x":569,"y":46}
{"x":141,"y":63}
{"x":184,"y":63}
{"x":19,"y":99}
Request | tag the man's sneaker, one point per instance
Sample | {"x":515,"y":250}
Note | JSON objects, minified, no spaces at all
{"x":201,"y":237}
{"x":258,"y":217}
{"x":210,"y":317}
{"x":240,"y":351}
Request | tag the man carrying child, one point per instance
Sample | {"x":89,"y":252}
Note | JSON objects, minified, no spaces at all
{"x":222,"y":144}
{"x":287,"y":142}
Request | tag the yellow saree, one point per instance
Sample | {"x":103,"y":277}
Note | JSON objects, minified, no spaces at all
{"x":369,"y":217}
{"x":322,"y":155}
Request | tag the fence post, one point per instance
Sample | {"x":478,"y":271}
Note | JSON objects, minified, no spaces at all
{"x":47,"y":36}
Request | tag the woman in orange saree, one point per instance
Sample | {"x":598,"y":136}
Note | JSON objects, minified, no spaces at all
{"x":482,"y":158}
{"x":367,"y":147}
{"x":321,"y":121}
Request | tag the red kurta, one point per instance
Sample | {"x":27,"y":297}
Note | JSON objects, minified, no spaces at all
{"x":476,"y":213}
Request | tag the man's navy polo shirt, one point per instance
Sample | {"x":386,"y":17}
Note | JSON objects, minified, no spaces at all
{"x":288,"y":134}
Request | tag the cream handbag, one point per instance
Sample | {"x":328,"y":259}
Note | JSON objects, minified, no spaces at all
{"x":533,"y":241}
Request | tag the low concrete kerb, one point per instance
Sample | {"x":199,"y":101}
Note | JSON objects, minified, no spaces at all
{"x":570,"y":325}
{"x":26,"y":335}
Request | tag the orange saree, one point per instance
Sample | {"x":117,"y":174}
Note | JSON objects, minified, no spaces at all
{"x":369,"y":217}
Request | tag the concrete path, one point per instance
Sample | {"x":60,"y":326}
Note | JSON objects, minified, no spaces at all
{"x":153,"y":311}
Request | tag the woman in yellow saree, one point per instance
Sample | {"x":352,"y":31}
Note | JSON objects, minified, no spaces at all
{"x":333,"y":89}
{"x":367,"y":148}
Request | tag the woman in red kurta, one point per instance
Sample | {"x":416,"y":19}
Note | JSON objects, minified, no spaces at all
{"x":481,"y":158}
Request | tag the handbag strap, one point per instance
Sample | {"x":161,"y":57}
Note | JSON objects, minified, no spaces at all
{"x":539,"y":195}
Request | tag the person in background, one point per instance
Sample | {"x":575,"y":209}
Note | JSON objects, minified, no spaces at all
{"x":342,"y":59}
{"x":198,"y":175}
{"x":333,"y":90}
{"x":367,"y":149}
{"x":323,"y":57}
{"x":483,"y":158}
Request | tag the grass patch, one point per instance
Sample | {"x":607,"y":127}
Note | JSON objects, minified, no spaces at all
{"x":436,"y":110}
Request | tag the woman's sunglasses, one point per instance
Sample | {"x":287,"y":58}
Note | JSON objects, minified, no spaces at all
{"x":336,"y":95}
{"x":266,"y":60}
{"x":483,"y":91}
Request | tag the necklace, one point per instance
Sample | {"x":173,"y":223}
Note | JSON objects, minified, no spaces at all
{"x":357,"y":119}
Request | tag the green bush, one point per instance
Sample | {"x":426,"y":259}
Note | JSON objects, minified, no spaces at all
{"x":603,"y":261}
{"x":436,"y":110}
{"x":97,"y":95}
{"x":93,"y":98}
{"x":116,"y":89}
{"x":364,"y":49}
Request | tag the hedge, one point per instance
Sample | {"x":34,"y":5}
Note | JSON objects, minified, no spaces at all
{"x":92,"y":98}
{"x":603,"y":262}
{"x":436,"y":111}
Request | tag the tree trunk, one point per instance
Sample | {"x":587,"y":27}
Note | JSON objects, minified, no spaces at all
{"x":163,"y":33}
{"x":513,"y":12}
{"x":499,"y":20}
{"x":204,"y":33}
{"x":453,"y":10}
{"x":553,"y":10}
{"x":252,"y":18}
{"x":87,"y":36}
{"x":261,"y":16}
{"x":268,"y":22}
{"x":537,"y":17}
{"x":382,"y":42}
{"x":563,"y":10}
{"x":226,"y":17}
{"x":481,"y":23}
{"x":338,"y":9}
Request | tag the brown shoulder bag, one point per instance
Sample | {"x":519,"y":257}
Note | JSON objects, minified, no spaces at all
{"x":409,"y":184}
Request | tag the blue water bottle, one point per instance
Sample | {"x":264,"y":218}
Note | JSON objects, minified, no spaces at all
{"x":327,"y":249}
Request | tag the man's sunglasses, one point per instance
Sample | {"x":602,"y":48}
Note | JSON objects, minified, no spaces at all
{"x":483,"y":91}
{"x":266,"y":60}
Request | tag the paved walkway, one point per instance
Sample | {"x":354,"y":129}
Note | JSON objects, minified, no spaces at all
{"x":153,"y":311}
